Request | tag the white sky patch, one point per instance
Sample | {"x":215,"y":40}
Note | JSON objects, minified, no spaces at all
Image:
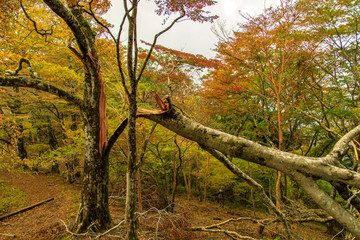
{"x":229,"y":9}
{"x":188,"y":36}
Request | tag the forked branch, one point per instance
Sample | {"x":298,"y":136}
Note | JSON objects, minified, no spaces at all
{"x":19,"y":68}
{"x":42,"y":32}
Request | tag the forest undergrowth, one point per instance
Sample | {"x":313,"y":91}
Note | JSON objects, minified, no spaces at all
{"x":53,"y":220}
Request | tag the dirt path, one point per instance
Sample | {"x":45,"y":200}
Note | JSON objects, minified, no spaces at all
{"x":42,"y":222}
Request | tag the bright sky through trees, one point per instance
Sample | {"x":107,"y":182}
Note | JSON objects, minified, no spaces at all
{"x":188,"y":36}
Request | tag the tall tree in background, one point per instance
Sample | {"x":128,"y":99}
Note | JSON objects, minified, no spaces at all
{"x":337,"y":23}
{"x":269,"y":64}
{"x":335,"y":108}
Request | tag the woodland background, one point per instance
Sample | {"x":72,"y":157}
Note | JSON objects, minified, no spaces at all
{"x":287,"y":79}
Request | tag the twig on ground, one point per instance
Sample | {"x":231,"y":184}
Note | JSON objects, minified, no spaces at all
{"x":217,"y":227}
{"x":231,"y":234}
{"x":7,"y":235}
{"x":78,"y":234}
{"x":109,"y":230}
{"x":160,"y":214}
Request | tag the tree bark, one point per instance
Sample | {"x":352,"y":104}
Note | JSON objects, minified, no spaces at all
{"x":300,"y":168}
{"x":333,"y":208}
{"x":326,"y":168}
{"x":131,"y":184}
{"x":20,"y":143}
{"x":94,"y":206}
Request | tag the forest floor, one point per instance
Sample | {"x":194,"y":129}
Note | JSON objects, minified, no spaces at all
{"x":47,"y":221}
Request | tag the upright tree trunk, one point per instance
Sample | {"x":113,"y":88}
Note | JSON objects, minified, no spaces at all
{"x":173,"y":191}
{"x":139,"y":191}
{"x":278,"y":181}
{"x":206,"y":177}
{"x":20,"y":143}
{"x":94,"y":207}
{"x":131,"y":186}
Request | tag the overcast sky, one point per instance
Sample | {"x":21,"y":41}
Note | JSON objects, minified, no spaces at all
{"x":188,"y":36}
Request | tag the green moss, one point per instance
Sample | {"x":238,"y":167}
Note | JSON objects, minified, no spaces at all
{"x":11,"y":198}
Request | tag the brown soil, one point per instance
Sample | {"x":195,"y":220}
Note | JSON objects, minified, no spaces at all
{"x":45,"y":222}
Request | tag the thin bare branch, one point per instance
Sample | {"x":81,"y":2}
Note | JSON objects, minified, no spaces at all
{"x":154,"y":43}
{"x":42,"y":32}
{"x":143,"y":151}
{"x":110,"y":230}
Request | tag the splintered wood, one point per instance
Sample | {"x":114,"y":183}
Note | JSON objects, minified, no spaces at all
{"x":164,"y":107}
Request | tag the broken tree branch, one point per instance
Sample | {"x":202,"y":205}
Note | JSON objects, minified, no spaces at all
{"x":164,"y":106}
{"x":231,"y":234}
{"x":250,"y":151}
{"x":7,"y":235}
{"x":26,"y":208}
{"x":234,"y":235}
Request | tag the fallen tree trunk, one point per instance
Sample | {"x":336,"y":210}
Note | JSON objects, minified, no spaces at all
{"x":302,"y":169}
{"x":7,"y":235}
{"x":325,"y":168}
{"x":26,"y":208}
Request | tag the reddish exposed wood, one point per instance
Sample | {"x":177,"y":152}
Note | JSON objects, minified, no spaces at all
{"x":163,"y":106}
{"x":142,"y":111}
{"x":102,"y":104}
{"x":26,"y":208}
{"x":102,"y":111}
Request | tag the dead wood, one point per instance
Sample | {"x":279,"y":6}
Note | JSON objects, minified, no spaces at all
{"x":217,"y":227}
{"x":231,"y":234}
{"x":26,"y":208}
{"x":164,"y":106}
{"x":7,"y":235}
{"x":313,"y":219}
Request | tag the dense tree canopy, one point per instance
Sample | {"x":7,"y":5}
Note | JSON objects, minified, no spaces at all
{"x":282,"y":94}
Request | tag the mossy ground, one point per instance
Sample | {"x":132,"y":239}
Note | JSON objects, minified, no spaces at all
{"x":11,"y":197}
